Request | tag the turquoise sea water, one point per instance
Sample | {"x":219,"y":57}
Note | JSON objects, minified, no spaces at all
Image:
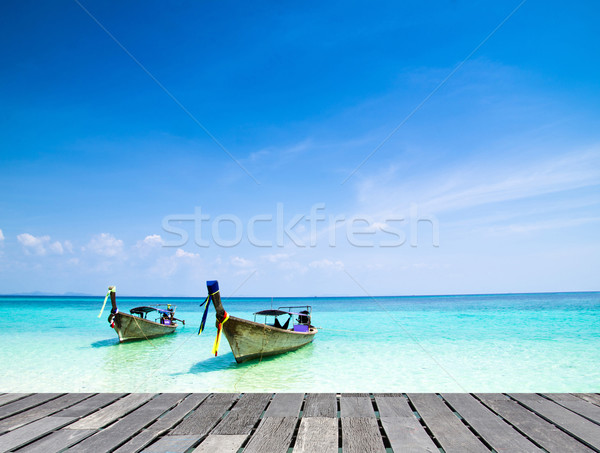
{"x":487,"y":343}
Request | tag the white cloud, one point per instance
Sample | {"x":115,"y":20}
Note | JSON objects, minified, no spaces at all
{"x":39,"y":245}
{"x":105,"y":244}
{"x":150,"y":244}
{"x":241,"y":262}
{"x":1,"y":236}
{"x":180,"y":253}
{"x":276,"y":257}
{"x":153,"y":240}
{"x":475,"y":186}
{"x":292,"y":266}
{"x":492,"y":185}
{"x":56,"y":247}
{"x":326,"y":264}
{"x":28,"y":240}
{"x":68,"y":245}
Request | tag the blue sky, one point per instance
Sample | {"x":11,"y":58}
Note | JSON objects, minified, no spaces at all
{"x":122,"y":125}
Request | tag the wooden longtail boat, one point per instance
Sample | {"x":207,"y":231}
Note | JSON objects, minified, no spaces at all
{"x":252,"y":339}
{"x":136,"y":325}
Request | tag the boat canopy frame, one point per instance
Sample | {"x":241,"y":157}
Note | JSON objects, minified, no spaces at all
{"x":143,"y":310}
{"x":301,"y":323}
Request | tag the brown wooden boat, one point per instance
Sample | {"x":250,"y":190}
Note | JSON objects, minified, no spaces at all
{"x":137,"y":326}
{"x":251,"y":339}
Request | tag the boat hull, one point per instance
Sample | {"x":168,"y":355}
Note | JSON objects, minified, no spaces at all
{"x":130,"y":328}
{"x":251,"y":340}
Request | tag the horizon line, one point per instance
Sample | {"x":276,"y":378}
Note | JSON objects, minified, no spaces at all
{"x":86,"y":295}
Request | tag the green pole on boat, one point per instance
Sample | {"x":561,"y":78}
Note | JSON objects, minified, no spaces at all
{"x":111,"y":293}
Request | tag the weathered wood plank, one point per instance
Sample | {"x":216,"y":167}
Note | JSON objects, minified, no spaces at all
{"x":285,"y":405}
{"x":90,"y":405}
{"x":394,"y":407}
{"x":206,"y":416}
{"x":172,"y":444}
{"x":177,"y":414}
{"x":161,"y":403}
{"x":119,"y":432}
{"x":26,"y":403}
{"x":43,"y":410}
{"x":317,"y":435}
{"x":320,"y":405}
{"x":112,"y":412}
{"x":244,"y":415}
{"x":58,"y":441}
{"x":361,"y":435}
{"x":450,"y":432}
{"x":140,"y":440}
{"x":497,"y":433}
{"x":577,"y":405}
{"x":273,"y":435}
{"x":356,"y":406}
{"x":10,"y":397}
{"x":401,"y":426}
{"x":164,"y":423}
{"x":221,"y":443}
{"x":28,"y":433}
{"x":223,"y":422}
{"x":585,"y":430}
{"x":593,"y":398}
{"x":536,"y":428}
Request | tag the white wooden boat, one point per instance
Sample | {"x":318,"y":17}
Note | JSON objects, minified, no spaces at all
{"x":143,"y":322}
{"x":253,"y":340}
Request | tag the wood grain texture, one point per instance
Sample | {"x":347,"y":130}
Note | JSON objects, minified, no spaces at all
{"x":41,"y":411}
{"x":583,"y":429}
{"x":261,"y":423}
{"x":320,"y":405}
{"x":534,"y":427}
{"x":356,"y":406}
{"x":164,"y":423}
{"x":401,"y":426}
{"x":273,"y":435}
{"x":90,"y":405}
{"x":122,"y":430}
{"x":26,"y":403}
{"x":207,"y":415}
{"x":497,"y":433}
{"x":172,"y":444}
{"x":58,"y":441}
{"x":139,"y":441}
{"x":285,"y":405}
{"x":112,"y":412}
{"x":33,"y":431}
{"x":10,"y":397}
{"x":317,"y":435}
{"x":244,"y":415}
{"x":576,"y":404}
{"x":450,"y":432}
{"x":593,"y":398}
{"x":361,"y":435}
{"x":177,"y":414}
{"x":221,"y":443}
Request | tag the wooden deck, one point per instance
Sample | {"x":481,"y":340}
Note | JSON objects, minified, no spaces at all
{"x":286,"y":422}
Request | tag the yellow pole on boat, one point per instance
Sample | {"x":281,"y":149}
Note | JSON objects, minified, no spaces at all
{"x":111,"y":289}
{"x":215,"y":348}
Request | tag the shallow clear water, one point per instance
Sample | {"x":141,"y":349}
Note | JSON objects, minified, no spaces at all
{"x":491,"y":343}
